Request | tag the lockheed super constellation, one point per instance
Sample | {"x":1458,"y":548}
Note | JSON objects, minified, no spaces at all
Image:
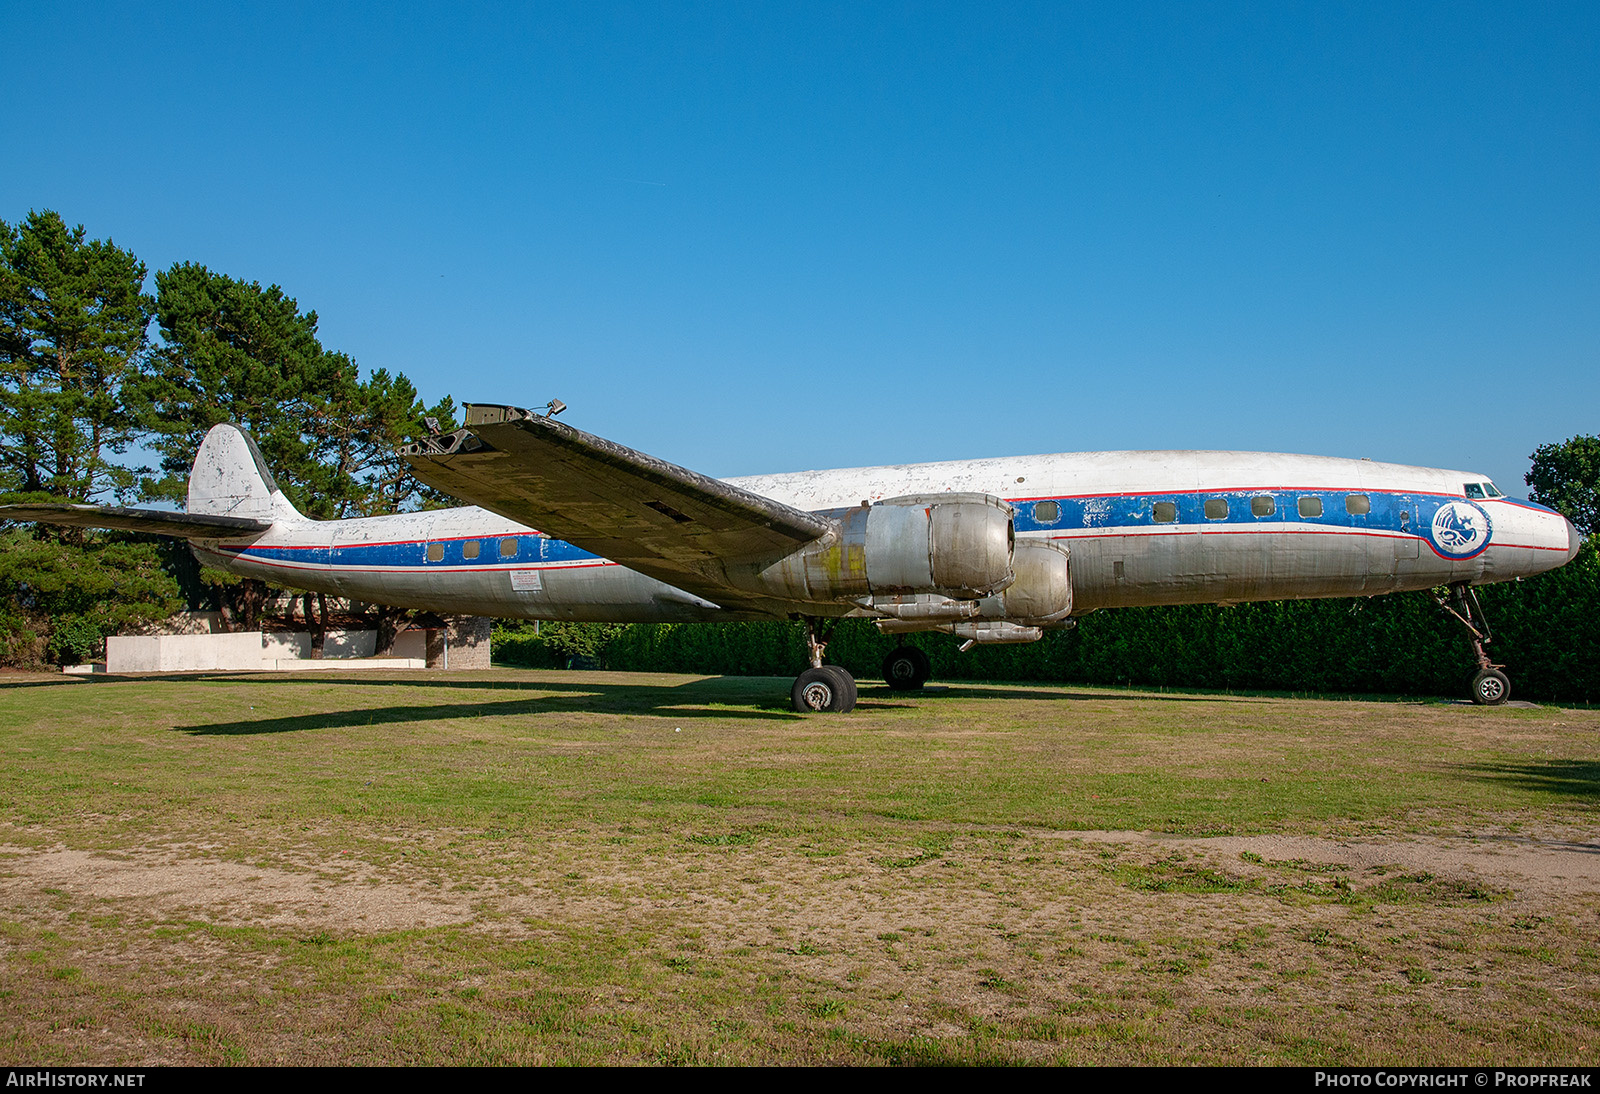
{"x":991,"y":550}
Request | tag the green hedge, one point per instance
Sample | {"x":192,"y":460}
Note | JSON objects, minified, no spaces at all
{"x":1546,"y":631}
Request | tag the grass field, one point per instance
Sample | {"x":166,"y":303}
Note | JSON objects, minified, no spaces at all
{"x":527,"y":867}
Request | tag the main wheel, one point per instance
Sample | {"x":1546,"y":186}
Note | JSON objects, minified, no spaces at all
{"x":828,"y":688}
{"x":1490,"y":688}
{"x":847,"y":684}
{"x":906,"y":668}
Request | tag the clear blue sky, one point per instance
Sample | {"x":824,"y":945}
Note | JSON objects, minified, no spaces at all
{"x":755,"y":237}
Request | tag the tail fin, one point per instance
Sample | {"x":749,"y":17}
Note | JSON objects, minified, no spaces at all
{"x":231,"y":479}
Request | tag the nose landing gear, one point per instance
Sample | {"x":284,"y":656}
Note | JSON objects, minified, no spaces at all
{"x":1490,"y":686}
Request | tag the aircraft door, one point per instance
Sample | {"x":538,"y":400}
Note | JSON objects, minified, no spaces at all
{"x":1392,"y":543}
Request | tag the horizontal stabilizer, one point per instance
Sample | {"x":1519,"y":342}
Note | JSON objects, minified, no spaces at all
{"x":159,"y":522}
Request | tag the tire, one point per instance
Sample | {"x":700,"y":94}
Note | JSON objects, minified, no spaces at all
{"x":906,"y":668}
{"x":1490,"y":688}
{"x":828,"y":689}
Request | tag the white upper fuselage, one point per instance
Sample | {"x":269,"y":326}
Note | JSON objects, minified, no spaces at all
{"x":1143,"y":528}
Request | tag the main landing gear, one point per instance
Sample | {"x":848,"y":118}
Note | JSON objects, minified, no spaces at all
{"x":906,"y":668}
{"x":822,"y":687}
{"x":1490,"y":686}
{"x":832,"y":689}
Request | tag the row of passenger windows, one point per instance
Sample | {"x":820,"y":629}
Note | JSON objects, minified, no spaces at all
{"x":1262,"y":505}
{"x":471,"y":549}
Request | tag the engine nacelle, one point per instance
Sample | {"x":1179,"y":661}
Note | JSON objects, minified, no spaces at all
{"x":957,"y":545}
{"x":1042,"y":591}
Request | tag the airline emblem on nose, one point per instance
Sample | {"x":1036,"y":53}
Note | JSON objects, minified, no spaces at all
{"x":1460,"y":530}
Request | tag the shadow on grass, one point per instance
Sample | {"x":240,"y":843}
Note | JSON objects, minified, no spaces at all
{"x":707,"y":698}
{"x":1578,"y":779}
{"x":754,"y":697}
{"x":744,"y":690}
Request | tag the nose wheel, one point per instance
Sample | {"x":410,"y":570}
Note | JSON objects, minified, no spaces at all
{"x":1490,"y":688}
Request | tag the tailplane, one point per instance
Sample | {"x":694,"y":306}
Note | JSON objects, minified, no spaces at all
{"x":230,"y":479}
{"x":231,"y":495}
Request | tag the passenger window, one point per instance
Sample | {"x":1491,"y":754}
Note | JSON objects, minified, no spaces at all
{"x":469,"y":549}
{"x":435,"y":552}
{"x":1262,"y":505}
{"x":1046,"y":512}
{"x":1474,"y":490}
{"x":508,"y":547}
{"x":1357,"y":504}
{"x":1166,"y":512}
{"x":1216,"y":508}
{"x":1310,"y":507}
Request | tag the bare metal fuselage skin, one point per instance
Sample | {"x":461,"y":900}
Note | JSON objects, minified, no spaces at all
{"x":1143,"y":528}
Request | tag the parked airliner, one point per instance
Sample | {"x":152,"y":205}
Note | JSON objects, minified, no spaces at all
{"x":991,"y":551}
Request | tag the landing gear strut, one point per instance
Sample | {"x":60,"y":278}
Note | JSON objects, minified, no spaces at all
{"x":822,"y":687}
{"x":1490,"y":686}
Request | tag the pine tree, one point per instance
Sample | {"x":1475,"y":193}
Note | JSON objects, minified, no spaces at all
{"x":73,"y":320}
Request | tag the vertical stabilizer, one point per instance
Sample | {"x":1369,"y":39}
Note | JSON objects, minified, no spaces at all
{"x":231,"y":479}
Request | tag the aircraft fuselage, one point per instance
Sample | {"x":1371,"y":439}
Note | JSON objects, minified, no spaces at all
{"x":1143,"y":528}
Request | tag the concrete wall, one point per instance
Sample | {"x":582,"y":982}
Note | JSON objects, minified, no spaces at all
{"x":464,"y":644}
{"x":184,"y":652}
{"x":286,"y":644}
{"x":341,"y":644}
{"x":412,"y":643}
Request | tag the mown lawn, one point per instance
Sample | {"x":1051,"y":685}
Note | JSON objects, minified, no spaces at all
{"x":539,"y":866}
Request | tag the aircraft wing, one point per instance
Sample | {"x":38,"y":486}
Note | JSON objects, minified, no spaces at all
{"x":160,"y":522}
{"x":649,"y":515}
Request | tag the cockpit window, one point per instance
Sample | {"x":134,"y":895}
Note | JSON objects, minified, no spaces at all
{"x":1488,"y":488}
{"x":1474,"y":489}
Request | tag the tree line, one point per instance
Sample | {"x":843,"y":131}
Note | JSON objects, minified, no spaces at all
{"x":106,"y":390}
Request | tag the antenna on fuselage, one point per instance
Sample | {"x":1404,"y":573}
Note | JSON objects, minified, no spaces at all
{"x":554,"y":407}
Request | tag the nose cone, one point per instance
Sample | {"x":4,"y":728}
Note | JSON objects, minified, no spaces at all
{"x":1572,"y":542}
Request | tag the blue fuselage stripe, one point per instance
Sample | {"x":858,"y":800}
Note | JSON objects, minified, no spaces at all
{"x":1389,"y":513}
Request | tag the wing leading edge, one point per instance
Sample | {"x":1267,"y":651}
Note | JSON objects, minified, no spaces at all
{"x":663,"y":520}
